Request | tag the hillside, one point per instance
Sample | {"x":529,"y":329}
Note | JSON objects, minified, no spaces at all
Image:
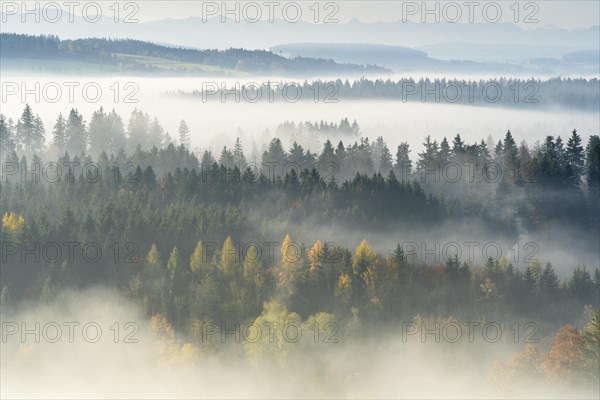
{"x":140,"y":56}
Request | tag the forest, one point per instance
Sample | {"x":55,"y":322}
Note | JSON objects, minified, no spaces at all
{"x":107,"y":51}
{"x":196,"y":238}
{"x":573,"y":93}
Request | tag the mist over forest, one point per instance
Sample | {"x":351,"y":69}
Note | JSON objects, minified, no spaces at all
{"x":200,"y":208}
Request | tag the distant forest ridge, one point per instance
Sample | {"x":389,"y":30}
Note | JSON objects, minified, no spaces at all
{"x":579,"y":93}
{"x":135,"y":55}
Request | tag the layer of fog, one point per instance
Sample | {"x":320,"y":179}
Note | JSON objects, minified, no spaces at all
{"x":564,"y":247}
{"x":384,"y":367}
{"x":215,"y":124}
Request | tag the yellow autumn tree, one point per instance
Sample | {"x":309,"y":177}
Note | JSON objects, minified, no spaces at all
{"x":364,"y":256}
{"x":229,"y":259}
{"x":162,"y":327}
{"x":503,"y":263}
{"x":375,"y":278}
{"x":315,"y":256}
{"x":289,"y":251}
{"x":518,"y":374}
{"x":197,"y":262}
{"x":323,"y":327}
{"x":13,"y":225}
{"x":564,"y":362}
{"x":343,"y":289}
{"x":273,"y":334}
{"x":172,"y":350}
{"x":291,"y":266}
{"x":153,"y":257}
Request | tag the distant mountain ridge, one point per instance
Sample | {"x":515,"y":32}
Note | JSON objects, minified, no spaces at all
{"x":194,"y":32}
{"x":407,"y":60}
{"x":359,"y":53}
{"x":136,"y":55}
{"x":481,"y":48}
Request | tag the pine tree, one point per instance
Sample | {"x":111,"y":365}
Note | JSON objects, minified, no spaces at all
{"x":398,"y":255}
{"x":403,"y":163}
{"x":581,"y":285}
{"x":574,"y":158}
{"x":274,"y":159}
{"x":99,"y":132}
{"x":511,"y":159}
{"x":355,"y":129}
{"x":498,"y":151}
{"x":253,"y":274}
{"x":226,"y":158}
{"x":207,"y":159}
{"x":117,"y":141}
{"x":592,"y":163}
{"x":529,"y":280}
{"x":526,"y":169}
{"x":560,"y":152}
{"x":327,"y":157}
{"x":428,"y":158}
{"x":385,"y":163}
{"x":549,"y":283}
{"x":238,"y":155}
{"x":59,"y":133}
{"x":137,"y":130}
{"x":184,"y":134}
{"x":76,"y":134}
{"x":549,"y":171}
{"x":483,"y":152}
{"x":444,"y":154}
{"x":376,"y":151}
{"x":25,"y":130}
{"x":39,"y":133}
{"x":156,"y":134}
{"x":297,"y":157}
{"x":7,"y":143}
{"x":458,"y":146}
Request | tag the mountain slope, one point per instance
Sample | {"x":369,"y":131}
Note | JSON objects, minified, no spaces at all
{"x":128,"y":54}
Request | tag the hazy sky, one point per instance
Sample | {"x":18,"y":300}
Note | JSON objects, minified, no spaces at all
{"x":566,"y":14}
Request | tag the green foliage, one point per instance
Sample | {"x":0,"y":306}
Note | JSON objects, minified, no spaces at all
{"x":177,"y":274}
{"x":272,"y":343}
{"x":591,"y":347}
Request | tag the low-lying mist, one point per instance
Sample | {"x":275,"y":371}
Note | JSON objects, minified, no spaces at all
{"x":215,"y":124}
{"x":390,"y":365}
{"x":563,"y":246}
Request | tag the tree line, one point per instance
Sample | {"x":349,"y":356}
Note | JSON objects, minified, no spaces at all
{"x":570,"y":93}
{"x":498,"y":182}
